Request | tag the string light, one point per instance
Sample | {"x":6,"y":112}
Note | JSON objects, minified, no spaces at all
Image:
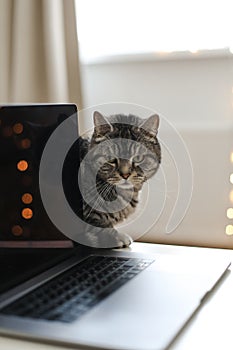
{"x":27,"y":198}
{"x":27,"y":213}
{"x":230,"y":213}
{"x":25,"y":143}
{"x":17,"y":230}
{"x":231,"y":178}
{"x":231,"y":196}
{"x":229,"y":230}
{"x":18,"y":128}
{"x":22,"y":165}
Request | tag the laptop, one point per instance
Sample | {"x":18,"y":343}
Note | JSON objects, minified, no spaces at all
{"x":55,"y":289}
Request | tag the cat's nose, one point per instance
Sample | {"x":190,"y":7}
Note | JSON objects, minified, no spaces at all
{"x":125,"y":176}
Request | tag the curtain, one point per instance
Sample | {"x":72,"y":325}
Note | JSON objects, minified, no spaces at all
{"x":39,"y":52}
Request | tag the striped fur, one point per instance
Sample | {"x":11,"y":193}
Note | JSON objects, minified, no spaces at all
{"x":118,"y":177}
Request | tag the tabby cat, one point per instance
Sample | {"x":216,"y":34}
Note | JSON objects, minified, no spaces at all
{"x":121,"y":155}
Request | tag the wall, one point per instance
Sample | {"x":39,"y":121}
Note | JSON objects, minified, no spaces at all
{"x":182,"y":90}
{"x":195,"y":95}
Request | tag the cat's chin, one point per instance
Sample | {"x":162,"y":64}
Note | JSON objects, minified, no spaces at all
{"x":126,"y":185}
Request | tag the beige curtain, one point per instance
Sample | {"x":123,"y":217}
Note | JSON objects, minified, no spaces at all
{"x":39,"y":52}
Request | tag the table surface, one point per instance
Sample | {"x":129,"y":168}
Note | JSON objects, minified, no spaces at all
{"x":210,"y":328}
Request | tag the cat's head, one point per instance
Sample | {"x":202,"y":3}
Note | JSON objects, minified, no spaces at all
{"x":126,"y":149}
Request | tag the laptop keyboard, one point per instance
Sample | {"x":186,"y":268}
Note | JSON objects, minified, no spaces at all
{"x":72,"y":293}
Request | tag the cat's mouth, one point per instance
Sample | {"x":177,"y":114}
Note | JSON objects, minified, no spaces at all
{"x":125,"y":184}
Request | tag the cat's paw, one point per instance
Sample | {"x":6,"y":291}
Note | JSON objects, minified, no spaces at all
{"x":111,"y":238}
{"x":105,"y":238}
{"x":115,"y":239}
{"x":123,"y":240}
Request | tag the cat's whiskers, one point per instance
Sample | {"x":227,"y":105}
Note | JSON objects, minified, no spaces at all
{"x":93,"y":189}
{"x":93,"y":207}
{"x":106,"y":191}
{"x":102,"y":190}
{"x":99,"y":198}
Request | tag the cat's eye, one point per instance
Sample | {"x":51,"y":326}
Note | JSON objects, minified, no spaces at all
{"x":138,"y":158}
{"x":112,"y":160}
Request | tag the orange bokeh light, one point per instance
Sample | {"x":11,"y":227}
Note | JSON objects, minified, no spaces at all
{"x":18,"y":128}
{"x":17,"y":230}
{"x":27,"y":213}
{"x":27,"y":198}
{"x":22,"y":165}
{"x":25,"y":143}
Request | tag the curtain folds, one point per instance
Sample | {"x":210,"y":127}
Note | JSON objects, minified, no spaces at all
{"x":39,"y":52}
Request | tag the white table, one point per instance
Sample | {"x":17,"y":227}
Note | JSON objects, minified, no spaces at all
{"x":211,"y":328}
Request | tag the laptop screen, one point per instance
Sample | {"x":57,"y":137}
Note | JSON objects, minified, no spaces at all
{"x":24,"y":132}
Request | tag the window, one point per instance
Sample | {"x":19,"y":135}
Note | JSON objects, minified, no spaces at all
{"x":110,"y":27}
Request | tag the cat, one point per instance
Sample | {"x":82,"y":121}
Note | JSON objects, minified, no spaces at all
{"x":122,"y":153}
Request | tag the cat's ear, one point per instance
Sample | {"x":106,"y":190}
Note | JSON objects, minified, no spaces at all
{"x":102,"y":125}
{"x":151,"y":124}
